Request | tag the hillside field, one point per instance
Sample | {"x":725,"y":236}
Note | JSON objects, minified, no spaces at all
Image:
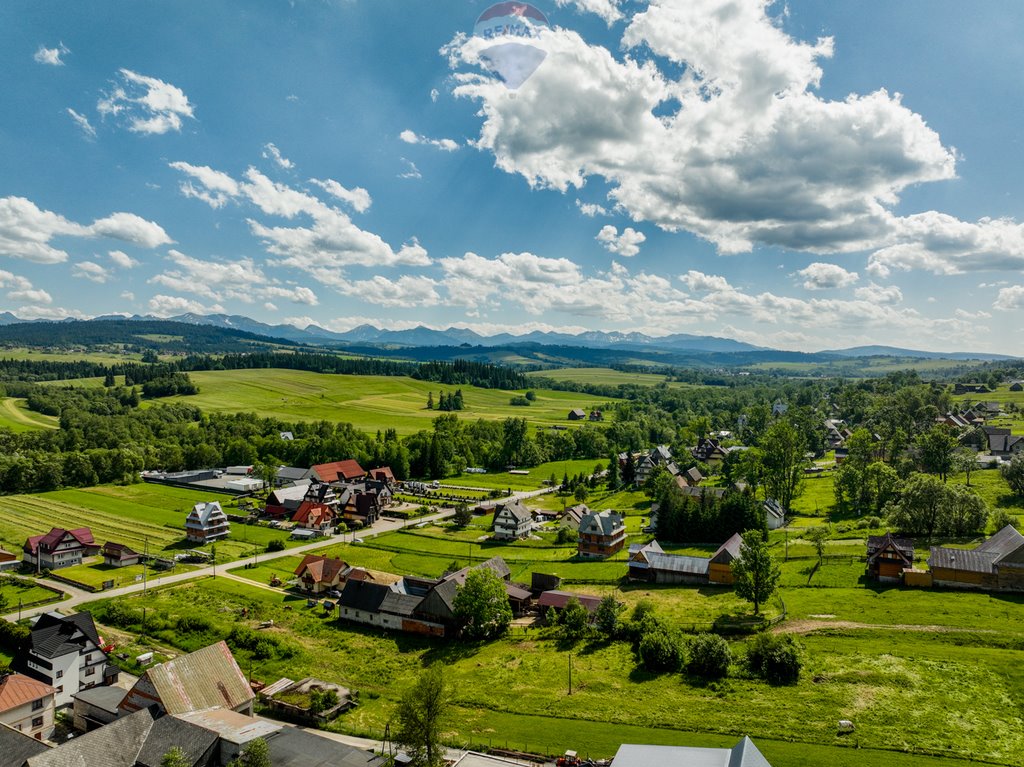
{"x":18,"y":418}
{"x":603,"y":377}
{"x":368,"y":402}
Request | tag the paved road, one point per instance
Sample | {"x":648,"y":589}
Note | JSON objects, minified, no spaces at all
{"x":78,"y":596}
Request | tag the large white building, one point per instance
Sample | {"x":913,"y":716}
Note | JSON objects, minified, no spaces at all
{"x":64,"y":651}
{"x":207,"y":522}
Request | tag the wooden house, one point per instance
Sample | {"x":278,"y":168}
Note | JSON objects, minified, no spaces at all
{"x":206,"y":522}
{"x":996,"y":565}
{"x":650,"y":563}
{"x":512,"y":521}
{"x":720,"y":565}
{"x":118,"y":555}
{"x":576,"y":414}
{"x":343,"y":471}
{"x":889,"y":556}
{"x":318,"y":574}
{"x":601,"y":534}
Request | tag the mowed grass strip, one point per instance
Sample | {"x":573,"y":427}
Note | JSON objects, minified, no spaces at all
{"x":14,"y":415}
{"x":367,"y":402}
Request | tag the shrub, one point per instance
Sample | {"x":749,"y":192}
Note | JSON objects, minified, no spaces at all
{"x":276,"y":545}
{"x":193,"y":624}
{"x":322,"y":700}
{"x":120,"y":615}
{"x":1001,"y":518}
{"x":519,"y":401}
{"x":660,"y":650}
{"x":775,"y":657}
{"x":566,"y":535}
{"x":710,"y":657}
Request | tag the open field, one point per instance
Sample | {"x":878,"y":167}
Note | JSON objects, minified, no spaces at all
{"x":368,"y":402}
{"x":20,"y":590}
{"x":18,"y":418}
{"x":918,"y":698}
{"x":1001,"y":394}
{"x":133,"y":515}
{"x":603,"y":376}
{"x":106,"y":358}
{"x":534,"y":480}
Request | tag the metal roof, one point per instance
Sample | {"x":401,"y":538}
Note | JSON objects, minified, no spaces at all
{"x":677,"y":563}
{"x":743,"y":754}
{"x":202,"y":679}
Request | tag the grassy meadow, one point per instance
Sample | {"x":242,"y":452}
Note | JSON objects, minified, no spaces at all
{"x":603,"y":377}
{"x":14,"y":415}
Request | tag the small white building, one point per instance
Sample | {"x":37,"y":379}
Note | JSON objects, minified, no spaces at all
{"x":774,"y":514}
{"x":512,"y":521}
{"x":206,"y":522}
{"x":26,"y":704}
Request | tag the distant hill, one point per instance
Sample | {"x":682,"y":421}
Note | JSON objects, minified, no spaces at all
{"x":892,"y":351}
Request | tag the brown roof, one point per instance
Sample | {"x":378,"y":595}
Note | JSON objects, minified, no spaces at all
{"x":332,"y":472}
{"x":383,"y":474}
{"x":202,"y":679}
{"x":18,"y":689}
{"x":559,"y":599}
{"x":320,"y":569}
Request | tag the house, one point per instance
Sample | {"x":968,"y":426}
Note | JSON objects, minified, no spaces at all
{"x":96,"y":707}
{"x":26,"y":704}
{"x":202,"y":679}
{"x":344,"y":471}
{"x":66,"y":653}
{"x":1002,"y":443}
{"x":314,"y":516}
{"x":774,"y":514}
{"x":649,"y":562}
{"x":512,"y":521}
{"x":997,"y":564}
{"x":574,"y":515}
{"x":1017,"y":386}
{"x":383,"y":474}
{"x":557,"y":600}
{"x":647,"y":462}
{"x":693,"y":476}
{"x":601,"y":534}
{"x":17,"y":747}
{"x":206,"y":522}
{"x":118,"y":555}
{"x":360,"y":503}
{"x":720,"y":564}
{"x":596,"y":415}
{"x":709,"y":451}
{"x":318,"y":574}
{"x":889,"y":556}
{"x":291,"y":475}
{"x":576,"y":414}
{"x":780,"y":408}
{"x":285,"y":501}
{"x":59,"y":548}
{"x":743,"y":754}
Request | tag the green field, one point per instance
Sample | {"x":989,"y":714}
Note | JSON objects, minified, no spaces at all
{"x":603,"y":377}
{"x":368,"y":402}
{"x":18,"y":418}
{"x":135,"y":515}
{"x":106,"y":358}
{"x":20,"y":590}
{"x":918,"y":698}
{"x":534,"y":480}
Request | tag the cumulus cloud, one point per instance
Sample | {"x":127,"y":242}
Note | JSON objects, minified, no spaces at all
{"x":878,"y":294}
{"x":166,"y":306}
{"x":819,"y":276}
{"x":444,"y":144}
{"x":626,"y":244}
{"x":721,"y":133}
{"x":242,"y":280}
{"x":121,"y":259}
{"x":51,"y":56}
{"x":214,"y":188}
{"x":357,"y":198}
{"x":146,"y":104}
{"x":590,"y":209}
{"x":90,"y":270}
{"x":1010,"y":298}
{"x":405,"y":291}
{"x":14,"y":281}
{"x":271,"y":152}
{"x":83,"y":123}
{"x":31,"y":295}
{"x":26,"y":231}
{"x":606,"y":9}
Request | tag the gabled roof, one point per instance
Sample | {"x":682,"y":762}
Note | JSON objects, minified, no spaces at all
{"x":728,"y":551}
{"x":1005,"y":542}
{"x":18,"y":689}
{"x":774,"y":509}
{"x":677,"y":563}
{"x":559,"y":599}
{"x":366,"y":596}
{"x":518,"y":511}
{"x":54,"y":635}
{"x":383,"y":474}
{"x":202,"y":679}
{"x":114,"y":745}
{"x":170,"y":731}
{"x":743,"y":754}
{"x":18,"y":746}
{"x":57,"y":534}
{"x":117,"y":550}
{"x":320,"y":569}
{"x":332,"y":472}
{"x":645,"y":548}
{"x":292,"y":473}
{"x":968,"y":560}
{"x":204,"y":513}
{"x":282,"y":494}
{"x":879,"y":543}
{"x":606,"y":523}
{"x":312,"y":514}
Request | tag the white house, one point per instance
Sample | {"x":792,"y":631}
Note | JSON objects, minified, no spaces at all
{"x":60,"y":548}
{"x":206,"y":522}
{"x":65,"y":652}
{"x":774,"y":514}
{"x":26,"y":704}
{"x":512,"y":521}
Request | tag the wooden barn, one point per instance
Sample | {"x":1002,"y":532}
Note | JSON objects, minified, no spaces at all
{"x":720,"y":566}
{"x":889,"y":557}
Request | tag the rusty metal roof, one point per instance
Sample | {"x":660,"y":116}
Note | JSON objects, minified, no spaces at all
{"x":202,"y":679}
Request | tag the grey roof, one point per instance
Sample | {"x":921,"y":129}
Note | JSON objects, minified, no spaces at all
{"x":677,"y":563}
{"x":56,"y":635}
{"x":516,"y":508}
{"x":601,"y":523}
{"x":106,"y":697}
{"x":1003,"y":443}
{"x":774,"y":508}
{"x":292,"y":747}
{"x":17,"y":746}
{"x":364,"y":595}
{"x":743,"y":754}
{"x":968,"y":560}
{"x":397,"y":603}
{"x":292,"y":473}
{"x":1006,"y":541}
{"x":729,"y":550}
{"x":652,"y":547}
{"x":114,"y":745}
{"x":168,"y":732}
{"x":711,"y":492}
{"x":661,"y":453}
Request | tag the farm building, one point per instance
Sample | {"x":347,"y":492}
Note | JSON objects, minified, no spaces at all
{"x":291,"y":475}
{"x":206,"y":522}
{"x":574,"y":515}
{"x":557,"y":600}
{"x":997,"y":564}
{"x":318,"y":574}
{"x":720,"y":564}
{"x":774,"y":514}
{"x":60,"y":548}
{"x":285,"y":501}
{"x":118,"y":555}
{"x":650,"y":563}
{"x":576,"y":414}
{"x":889,"y":556}
{"x":743,"y":754}
{"x":601,"y":534}
{"x":512,"y":521}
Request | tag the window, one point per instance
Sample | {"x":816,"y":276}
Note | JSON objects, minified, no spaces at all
{"x":90,"y":671}
{"x":37,"y":704}
{"x":37,"y":722}
{"x":60,"y":674}
{"x":88,"y":658}
{"x":60,"y":688}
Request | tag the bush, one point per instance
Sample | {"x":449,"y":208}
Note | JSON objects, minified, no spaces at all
{"x":192,"y":624}
{"x":519,"y":401}
{"x":276,"y":545}
{"x":120,"y":615}
{"x":776,"y":658}
{"x":660,"y":650}
{"x":322,"y":700}
{"x":710,"y":657}
{"x":1001,"y":518}
{"x":566,"y":535}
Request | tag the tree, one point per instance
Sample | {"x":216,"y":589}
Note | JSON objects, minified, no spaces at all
{"x":322,"y":700}
{"x":581,"y":494}
{"x":1001,"y":518}
{"x":920,"y":507}
{"x":606,"y":618}
{"x":430,"y":400}
{"x":782,"y":456}
{"x":1013,"y":473}
{"x":574,"y":619}
{"x":818,"y":536}
{"x":965,"y":461}
{"x":422,"y":714}
{"x":710,"y":657}
{"x":256,"y":754}
{"x":612,"y":477}
{"x":936,"y":447}
{"x":660,"y":649}
{"x":463,"y":515}
{"x":755,"y":573}
{"x":775,"y":658}
{"x":967,"y":512}
{"x":175,"y":758}
{"x":481,"y":605}
{"x":851,"y":486}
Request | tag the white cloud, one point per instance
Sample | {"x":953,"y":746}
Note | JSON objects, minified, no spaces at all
{"x":606,"y":9}
{"x":90,"y":270}
{"x":405,"y":291}
{"x":434,"y":93}
{"x":51,"y":56}
{"x":626,"y":244}
{"x":146,"y":104}
{"x":444,"y":144}
{"x":269,"y":306}
{"x":121,"y":259}
{"x":33,"y":296}
{"x":357,"y":197}
{"x":271,"y":152}
{"x":877,"y":294}
{"x":291,"y":97}
{"x":17,"y":282}
{"x":130,"y":228}
{"x":411,"y":171}
{"x":127,"y":295}
{"x":45,"y":312}
{"x":83,"y":123}
{"x":1010,"y":298}
{"x":241,"y":280}
{"x":590,"y":209}
{"x":215,"y":188}
{"x":819,"y":276}
{"x":166,"y":306}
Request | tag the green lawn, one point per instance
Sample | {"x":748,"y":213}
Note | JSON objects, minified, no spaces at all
{"x":534,"y":480}
{"x":133,"y":514}
{"x":14,"y":415}
{"x":367,"y":402}
{"x":930,"y":694}
{"x":107,"y":358}
{"x":604,"y":377}
{"x":14,"y":590}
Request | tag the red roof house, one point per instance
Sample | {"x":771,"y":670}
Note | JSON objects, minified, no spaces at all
{"x":338,"y":471}
{"x":60,"y":548}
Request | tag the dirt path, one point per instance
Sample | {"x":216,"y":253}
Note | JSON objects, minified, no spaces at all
{"x":808,"y":625}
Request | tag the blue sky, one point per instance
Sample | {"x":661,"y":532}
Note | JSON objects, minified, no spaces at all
{"x":805,"y":175}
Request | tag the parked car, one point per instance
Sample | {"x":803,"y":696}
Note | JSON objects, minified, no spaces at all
{"x":334,"y":594}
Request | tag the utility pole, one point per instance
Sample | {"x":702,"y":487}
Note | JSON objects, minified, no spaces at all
{"x":145,"y":567}
{"x":213,"y":551}
{"x":570,"y":673}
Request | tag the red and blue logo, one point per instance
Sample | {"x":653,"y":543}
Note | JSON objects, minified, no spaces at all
{"x":514,"y":29}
